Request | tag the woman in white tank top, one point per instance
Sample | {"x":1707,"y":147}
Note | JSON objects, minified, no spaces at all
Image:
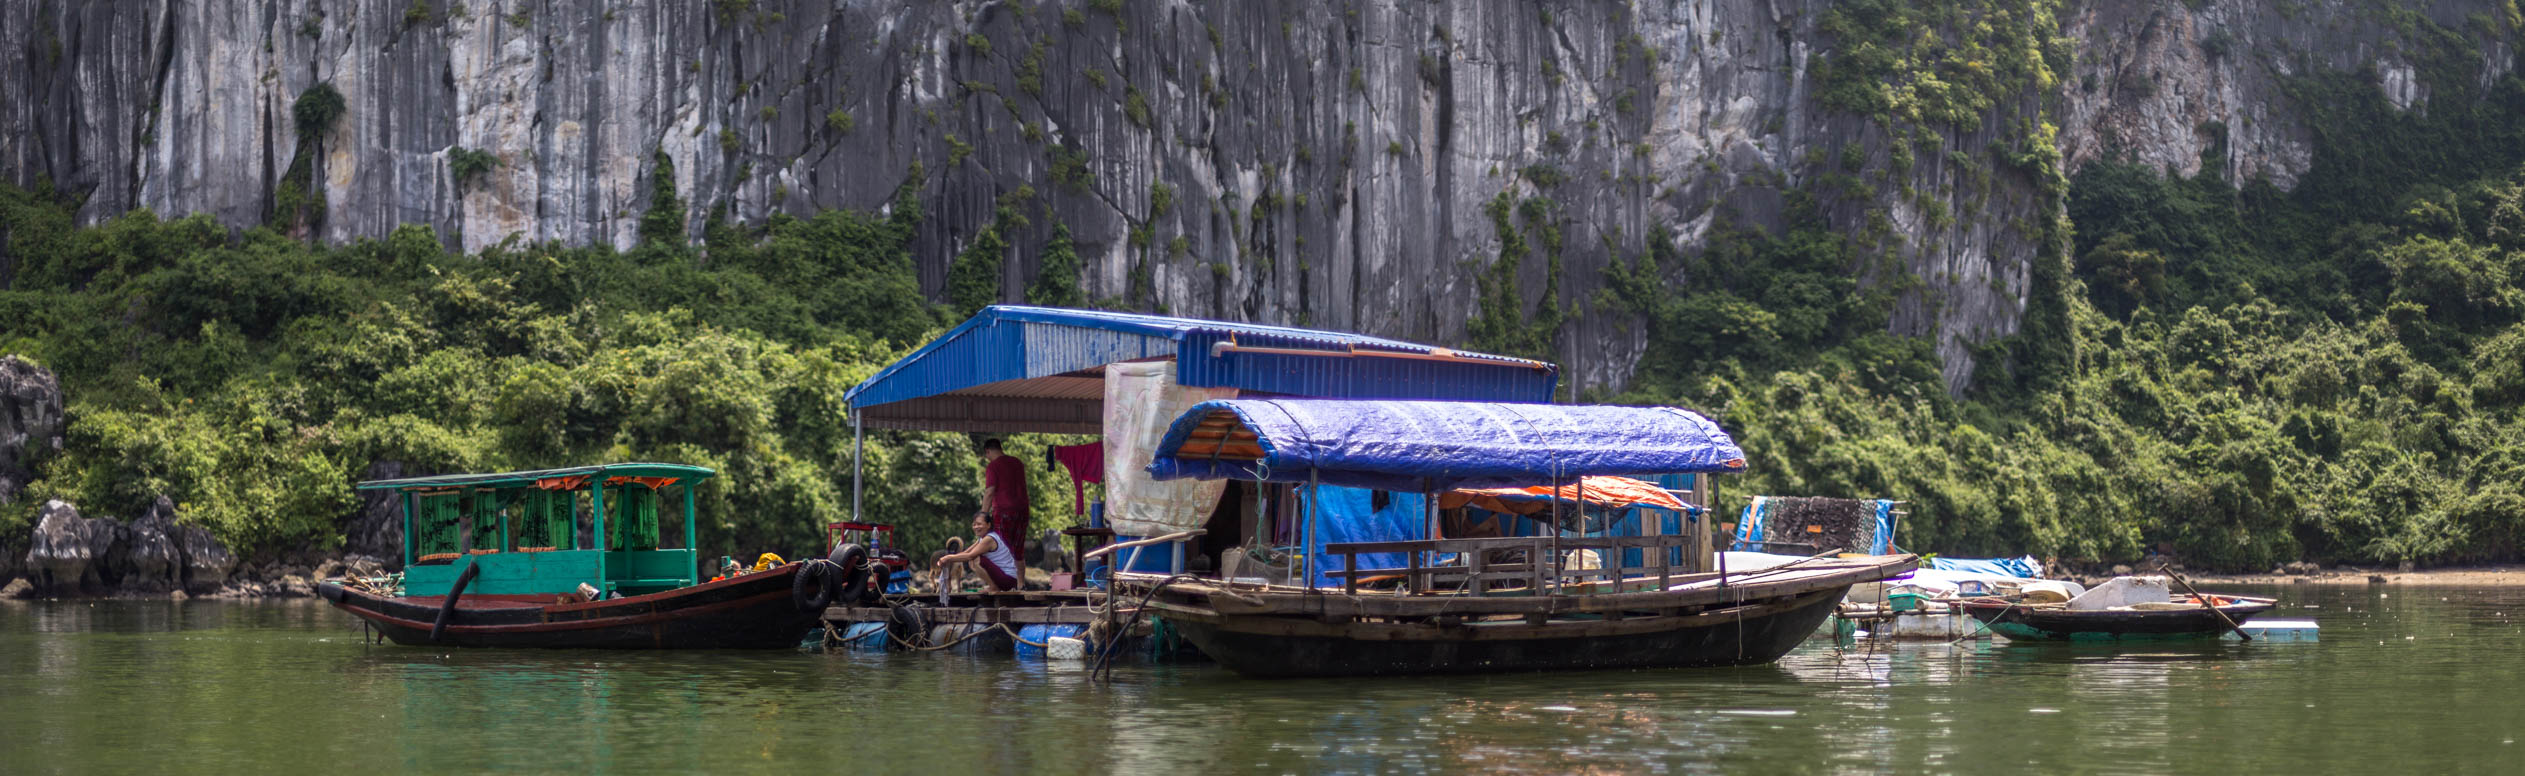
{"x":989,"y":556}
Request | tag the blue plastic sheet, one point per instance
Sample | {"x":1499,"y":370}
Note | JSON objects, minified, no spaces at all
{"x":1427,"y":446}
{"x":2025,"y":567}
{"x":1350,"y":515}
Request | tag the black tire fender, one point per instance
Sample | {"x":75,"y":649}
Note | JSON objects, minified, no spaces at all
{"x":847,"y":561}
{"x":447,"y":609}
{"x":811,"y":587}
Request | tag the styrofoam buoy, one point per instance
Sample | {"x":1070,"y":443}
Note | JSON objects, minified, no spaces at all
{"x":1065,"y":648}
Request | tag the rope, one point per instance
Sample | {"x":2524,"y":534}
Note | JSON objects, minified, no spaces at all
{"x":1104,"y":656}
{"x":1981,"y":626}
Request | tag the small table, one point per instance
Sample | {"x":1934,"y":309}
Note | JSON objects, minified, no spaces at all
{"x":1082,"y":540}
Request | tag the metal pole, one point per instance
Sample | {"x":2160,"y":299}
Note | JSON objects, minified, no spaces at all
{"x":858,"y":439}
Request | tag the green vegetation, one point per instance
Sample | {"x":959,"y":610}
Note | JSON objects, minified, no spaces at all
{"x":2231,"y":372}
{"x":1056,"y":281}
{"x":466,"y":164}
{"x":254,"y":378}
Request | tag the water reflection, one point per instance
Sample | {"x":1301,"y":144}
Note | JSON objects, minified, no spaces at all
{"x":2423,"y":680}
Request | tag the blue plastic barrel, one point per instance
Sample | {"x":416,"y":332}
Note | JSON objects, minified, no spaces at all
{"x":1042,"y":634}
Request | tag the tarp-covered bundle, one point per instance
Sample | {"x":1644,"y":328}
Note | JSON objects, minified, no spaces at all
{"x":1432,"y":446}
{"x":1607,"y":491}
{"x":1816,"y":524}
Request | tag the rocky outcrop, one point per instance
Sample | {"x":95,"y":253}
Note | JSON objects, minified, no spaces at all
{"x":149,"y":559}
{"x":73,"y":555}
{"x":2162,"y":81}
{"x":31,"y":423}
{"x":376,"y":530}
{"x":1304,"y":162}
{"x":67,"y":553}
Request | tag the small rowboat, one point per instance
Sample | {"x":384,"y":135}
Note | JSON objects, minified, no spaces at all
{"x":2179,"y":619}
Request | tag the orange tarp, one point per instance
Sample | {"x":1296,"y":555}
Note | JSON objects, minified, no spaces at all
{"x":1601,"y":490}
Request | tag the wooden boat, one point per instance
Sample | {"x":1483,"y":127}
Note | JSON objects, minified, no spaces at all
{"x":1462,"y":605}
{"x":1753,"y":618}
{"x":2180,"y":619}
{"x":498,"y":560}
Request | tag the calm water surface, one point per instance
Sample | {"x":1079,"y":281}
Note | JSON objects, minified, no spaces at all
{"x":2409,"y":680}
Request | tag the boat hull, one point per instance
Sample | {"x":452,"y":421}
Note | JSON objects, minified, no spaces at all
{"x":2022,"y":624}
{"x":1267,"y":647}
{"x":753,"y":611}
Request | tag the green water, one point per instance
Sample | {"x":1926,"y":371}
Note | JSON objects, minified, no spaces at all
{"x":2410,"y":680}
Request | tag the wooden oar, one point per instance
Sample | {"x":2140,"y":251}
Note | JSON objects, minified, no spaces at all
{"x":2213,"y":608}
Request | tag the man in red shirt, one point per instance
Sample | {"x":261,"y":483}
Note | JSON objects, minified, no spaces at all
{"x":1004,"y":494}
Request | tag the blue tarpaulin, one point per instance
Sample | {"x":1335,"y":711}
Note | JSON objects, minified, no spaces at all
{"x":1350,"y":515}
{"x":1427,"y":446}
{"x":2026,"y":567}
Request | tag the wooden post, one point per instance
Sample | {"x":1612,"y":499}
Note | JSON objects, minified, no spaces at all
{"x":1479,"y":562}
{"x":596,"y":494}
{"x":1535,"y":562}
{"x":1350,"y":573}
{"x":1412,"y":584}
{"x":500,"y":509}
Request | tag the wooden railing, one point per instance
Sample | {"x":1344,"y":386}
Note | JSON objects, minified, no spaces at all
{"x":1490,"y":565}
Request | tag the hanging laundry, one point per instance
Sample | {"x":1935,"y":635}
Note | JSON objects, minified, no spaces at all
{"x":1086,"y":464}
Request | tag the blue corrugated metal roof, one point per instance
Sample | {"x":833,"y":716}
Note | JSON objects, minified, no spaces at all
{"x":1009,"y":342}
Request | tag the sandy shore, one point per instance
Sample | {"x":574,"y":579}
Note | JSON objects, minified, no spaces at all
{"x":2464,"y":576}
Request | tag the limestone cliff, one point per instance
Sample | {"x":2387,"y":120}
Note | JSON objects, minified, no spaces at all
{"x":1305,"y":162}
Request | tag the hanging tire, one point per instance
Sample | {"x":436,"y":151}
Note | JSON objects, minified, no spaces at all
{"x":848,"y":560}
{"x":447,"y":609}
{"x":812,"y":587}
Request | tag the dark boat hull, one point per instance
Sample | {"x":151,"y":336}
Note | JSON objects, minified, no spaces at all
{"x":1761,"y":635}
{"x":753,"y":611}
{"x":2023,"y":624}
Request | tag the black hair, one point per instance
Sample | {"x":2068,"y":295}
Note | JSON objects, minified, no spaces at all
{"x":990,"y":444}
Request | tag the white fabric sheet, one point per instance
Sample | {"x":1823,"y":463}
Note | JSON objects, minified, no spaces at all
{"x":1141,"y":400}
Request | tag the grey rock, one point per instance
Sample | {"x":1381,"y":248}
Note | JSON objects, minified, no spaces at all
{"x":16,"y":589}
{"x":67,"y":552}
{"x":207,"y":563}
{"x":150,"y":560}
{"x":377,"y":528}
{"x":31,"y":418}
{"x":1397,"y":122}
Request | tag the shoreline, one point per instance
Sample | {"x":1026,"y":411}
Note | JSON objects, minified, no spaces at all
{"x":2508,"y":575}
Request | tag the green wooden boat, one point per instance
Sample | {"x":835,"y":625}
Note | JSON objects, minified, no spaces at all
{"x":500,"y":559}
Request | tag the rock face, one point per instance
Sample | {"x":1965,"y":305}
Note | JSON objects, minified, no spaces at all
{"x":1304,"y":162}
{"x":2161,"y":81}
{"x":31,"y":423}
{"x":67,"y":553}
{"x":376,"y":530}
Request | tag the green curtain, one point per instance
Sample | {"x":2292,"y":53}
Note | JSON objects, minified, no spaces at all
{"x":435,"y":521}
{"x":486,"y":521}
{"x":631,"y":518}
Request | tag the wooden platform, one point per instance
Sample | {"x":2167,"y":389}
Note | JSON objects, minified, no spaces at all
{"x":1067,"y":607}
